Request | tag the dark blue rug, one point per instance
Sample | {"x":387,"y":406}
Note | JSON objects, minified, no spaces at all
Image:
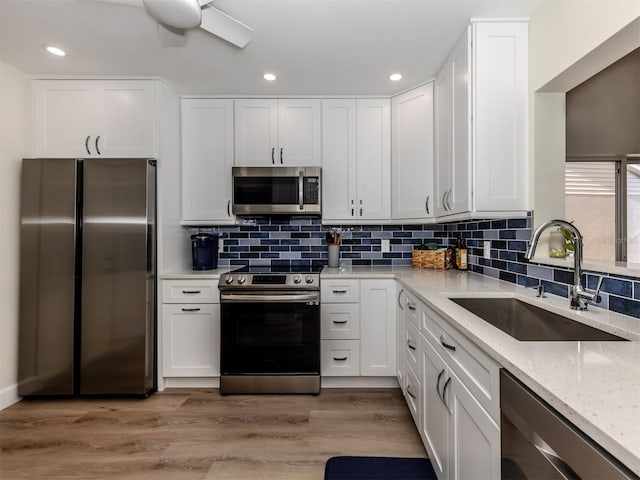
{"x":378,"y":468}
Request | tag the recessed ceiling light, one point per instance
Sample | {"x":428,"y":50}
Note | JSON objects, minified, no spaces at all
{"x":269,"y":77}
{"x":55,"y":51}
{"x":394,"y":77}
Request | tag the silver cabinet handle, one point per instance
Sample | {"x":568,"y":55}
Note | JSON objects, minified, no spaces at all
{"x":426,"y":205}
{"x":228,"y":208}
{"x":352,"y":208}
{"x":273,"y":158}
{"x":281,"y":162}
{"x":300,"y":186}
{"x":191,"y":292}
{"x":444,"y":200}
{"x":411,"y":306}
{"x":449,"y":193}
{"x":98,"y":148}
{"x":86,"y":144}
{"x":360,"y":207}
{"x":409,"y":392}
{"x":411,"y":345}
{"x":444,"y":392}
{"x":399,"y":297}
{"x":339,"y":291}
{"x":446,"y":345}
{"x":438,"y":382}
{"x":339,"y":322}
{"x":190,"y":309}
{"x":340,"y":359}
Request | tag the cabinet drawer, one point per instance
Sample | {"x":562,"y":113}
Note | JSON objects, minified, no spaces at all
{"x":340,"y":358}
{"x":411,"y":348}
{"x":190,"y":291}
{"x":340,"y":291}
{"x":410,"y":306}
{"x":479,"y":372}
{"x":340,"y":321}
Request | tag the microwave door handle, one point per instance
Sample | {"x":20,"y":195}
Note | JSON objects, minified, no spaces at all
{"x":301,"y":190}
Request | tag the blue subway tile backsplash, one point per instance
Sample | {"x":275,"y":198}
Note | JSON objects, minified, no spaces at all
{"x":300,"y":241}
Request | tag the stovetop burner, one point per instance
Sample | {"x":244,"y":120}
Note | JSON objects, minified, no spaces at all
{"x":279,"y":269}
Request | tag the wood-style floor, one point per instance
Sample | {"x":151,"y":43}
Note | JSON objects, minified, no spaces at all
{"x":199,"y":434}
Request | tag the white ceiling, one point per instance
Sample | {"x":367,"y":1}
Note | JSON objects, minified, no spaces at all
{"x":316,"y":47}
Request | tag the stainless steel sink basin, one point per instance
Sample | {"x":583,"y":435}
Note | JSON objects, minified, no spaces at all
{"x":529,"y":323}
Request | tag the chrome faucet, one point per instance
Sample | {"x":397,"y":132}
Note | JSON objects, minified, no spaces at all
{"x":579,"y":296}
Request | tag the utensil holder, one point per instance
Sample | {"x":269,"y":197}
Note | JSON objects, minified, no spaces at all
{"x":334,"y":255}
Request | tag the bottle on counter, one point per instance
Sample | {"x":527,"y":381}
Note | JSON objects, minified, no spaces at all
{"x":461,"y":254}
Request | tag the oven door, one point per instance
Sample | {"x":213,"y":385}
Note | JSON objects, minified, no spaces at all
{"x":276,"y":190}
{"x":270,"y":333}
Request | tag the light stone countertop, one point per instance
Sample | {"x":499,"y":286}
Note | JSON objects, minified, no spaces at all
{"x":596,"y":385}
{"x":196,"y":274}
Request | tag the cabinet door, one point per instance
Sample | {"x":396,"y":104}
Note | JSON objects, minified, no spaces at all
{"x":338,"y":160}
{"x":474,"y":448}
{"x":434,"y":428}
{"x":299,"y":133}
{"x":378,"y":328}
{"x":191,"y":340}
{"x":443,"y":137}
{"x":256,"y":132}
{"x":458,"y":198}
{"x":125,"y":119}
{"x":64,"y":113}
{"x":374,"y":160}
{"x":501,"y":118}
{"x":412,"y":154}
{"x":207,"y":158}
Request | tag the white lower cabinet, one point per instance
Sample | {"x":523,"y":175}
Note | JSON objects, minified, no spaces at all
{"x":450,"y":390}
{"x":190,"y":329}
{"x":358,"y":328}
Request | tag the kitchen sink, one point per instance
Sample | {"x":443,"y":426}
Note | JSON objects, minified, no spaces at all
{"x":527,"y":322}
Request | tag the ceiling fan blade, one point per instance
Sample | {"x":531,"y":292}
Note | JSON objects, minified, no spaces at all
{"x":171,"y":37}
{"x":228,"y":28}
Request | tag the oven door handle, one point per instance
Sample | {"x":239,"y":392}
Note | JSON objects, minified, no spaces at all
{"x":286,"y":298}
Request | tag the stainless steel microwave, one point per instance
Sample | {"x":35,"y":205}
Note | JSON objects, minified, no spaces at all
{"x":277,"y":190}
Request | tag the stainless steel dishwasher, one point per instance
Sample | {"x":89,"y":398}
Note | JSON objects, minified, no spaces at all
{"x":539,"y":443}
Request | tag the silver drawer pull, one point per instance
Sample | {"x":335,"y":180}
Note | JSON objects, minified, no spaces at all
{"x":340,"y":291}
{"x":340,"y":322}
{"x":340,"y":359}
{"x":411,"y":345}
{"x":191,"y":292}
{"x":409,"y":392}
{"x":447,"y":345}
{"x":190,"y":309}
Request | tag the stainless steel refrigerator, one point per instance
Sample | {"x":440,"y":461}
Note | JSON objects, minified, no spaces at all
{"x":88,"y":277}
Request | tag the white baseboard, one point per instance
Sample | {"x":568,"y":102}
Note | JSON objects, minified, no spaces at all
{"x":9,"y":396}
{"x":191,"y":382}
{"x":359,"y":382}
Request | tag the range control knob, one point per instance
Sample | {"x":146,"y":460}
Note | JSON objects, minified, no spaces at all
{"x":297,"y":279}
{"x":241,"y":280}
{"x":308,"y":279}
{"x":228,"y":280}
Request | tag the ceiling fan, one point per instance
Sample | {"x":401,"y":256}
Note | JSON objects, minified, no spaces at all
{"x":174,"y":17}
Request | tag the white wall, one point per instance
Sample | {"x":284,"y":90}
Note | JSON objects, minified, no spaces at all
{"x":569,"y":41}
{"x":15,"y":141}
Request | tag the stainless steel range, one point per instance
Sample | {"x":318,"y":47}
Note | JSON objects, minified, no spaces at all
{"x":270,"y":330}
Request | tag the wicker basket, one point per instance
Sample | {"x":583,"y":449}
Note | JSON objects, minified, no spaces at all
{"x":437,"y":259}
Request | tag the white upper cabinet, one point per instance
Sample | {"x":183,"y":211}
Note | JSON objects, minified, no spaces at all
{"x":356,"y":166}
{"x":283,"y":132}
{"x":95,"y":118}
{"x":207,"y":158}
{"x":412,"y":166}
{"x":481,"y":123}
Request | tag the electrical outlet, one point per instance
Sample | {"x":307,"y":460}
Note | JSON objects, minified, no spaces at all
{"x":220,"y":246}
{"x":487,"y":248}
{"x":386,"y":245}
